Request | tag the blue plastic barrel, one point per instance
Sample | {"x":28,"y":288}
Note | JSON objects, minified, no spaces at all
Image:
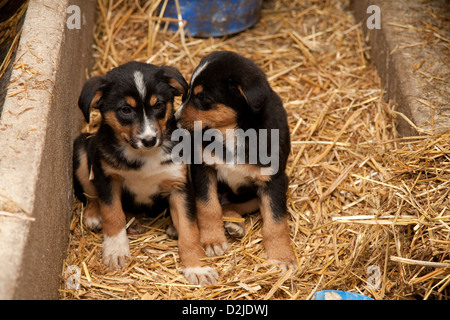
{"x":339,"y":295}
{"x":214,"y":18}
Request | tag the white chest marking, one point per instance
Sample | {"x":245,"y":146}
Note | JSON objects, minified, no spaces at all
{"x":145,"y":181}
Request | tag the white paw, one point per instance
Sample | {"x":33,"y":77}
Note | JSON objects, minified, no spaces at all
{"x":235,"y":229}
{"x":203,"y":276}
{"x":93,"y":223}
{"x":116,"y":250}
{"x":216,"y":249}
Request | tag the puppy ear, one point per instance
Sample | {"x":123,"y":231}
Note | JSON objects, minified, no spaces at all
{"x":91,"y":95}
{"x":175,"y":80}
{"x":255,"y":91}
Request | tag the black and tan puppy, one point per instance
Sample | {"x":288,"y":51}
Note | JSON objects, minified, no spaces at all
{"x":126,"y":166}
{"x":230,"y":94}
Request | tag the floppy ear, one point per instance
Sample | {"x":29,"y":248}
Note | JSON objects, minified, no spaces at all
{"x":175,"y":80}
{"x":254,"y":90}
{"x":90,"y":95}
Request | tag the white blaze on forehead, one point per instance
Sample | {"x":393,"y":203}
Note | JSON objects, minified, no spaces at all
{"x":194,"y":75}
{"x":140,"y":84}
{"x":198,"y":71}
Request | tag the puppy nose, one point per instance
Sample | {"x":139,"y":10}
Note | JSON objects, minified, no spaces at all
{"x":149,"y":142}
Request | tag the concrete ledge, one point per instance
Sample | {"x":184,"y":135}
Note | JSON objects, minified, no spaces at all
{"x":39,"y":121}
{"x":411,"y":60}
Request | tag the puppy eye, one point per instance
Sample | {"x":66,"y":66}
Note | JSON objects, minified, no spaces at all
{"x":201,"y":96}
{"x":203,"y":101}
{"x":126,"y":110}
{"x":159,"y":106}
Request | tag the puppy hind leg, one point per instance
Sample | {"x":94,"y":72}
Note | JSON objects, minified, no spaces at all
{"x":231,"y":211}
{"x":172,"y":232}
{"x":91,"y":213}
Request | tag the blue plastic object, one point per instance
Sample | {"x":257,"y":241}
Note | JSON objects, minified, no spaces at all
{"x":339,"y":295}
{"x":214,"y":18}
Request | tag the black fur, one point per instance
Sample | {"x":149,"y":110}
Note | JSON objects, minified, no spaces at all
{"x":235,"y":81}
{"x":107,"y":93}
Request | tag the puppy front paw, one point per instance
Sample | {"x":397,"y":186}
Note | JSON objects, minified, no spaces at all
{"x":116,"y":250}
{"x":216,"y":249}
{"x":285,"y":265}
{"x":203,"y":276}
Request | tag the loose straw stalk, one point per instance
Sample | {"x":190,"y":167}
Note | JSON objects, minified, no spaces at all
{"x":358,"y":194}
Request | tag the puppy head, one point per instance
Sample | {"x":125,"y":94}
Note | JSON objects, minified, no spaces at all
{"x":135,"y":101}
{"x":225,"y":90}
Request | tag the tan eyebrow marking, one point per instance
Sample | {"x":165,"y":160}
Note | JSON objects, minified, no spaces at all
{"x":153,"y":100}
{"x":131,"y":102}
{"x":198,"y":89}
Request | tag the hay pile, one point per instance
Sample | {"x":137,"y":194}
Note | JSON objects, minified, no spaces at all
{"x":364,"y":204}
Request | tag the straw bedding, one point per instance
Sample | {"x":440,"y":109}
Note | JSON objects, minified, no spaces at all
{"x":364,"y":204}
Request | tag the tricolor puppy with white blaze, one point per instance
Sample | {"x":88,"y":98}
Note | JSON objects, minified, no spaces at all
{"x":127,"y":167}
{"x":230,"y":93}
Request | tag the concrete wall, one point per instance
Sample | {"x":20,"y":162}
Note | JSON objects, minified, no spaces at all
{"x":38,"y":124}
{"x":395,"y":52}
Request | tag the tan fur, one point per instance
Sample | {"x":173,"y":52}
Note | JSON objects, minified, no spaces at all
{"x":253,"y":174}
{"x":169,"y":185}
{"x":175,"y":84}
{"x":188,"y":234}
{"x":83,"y":175}
{"x":96,"y":99}
{"x":92,"y":209}
{"x":131,"y":102}
{"x":220,"y":117}
{"x":113,"y":217}
{"x":163,"y":122}
{"x":275,"y":234}
{"x":124,"y":133}
{"x":198,"y":89}
{"x":237,"y":210}
{"x":153,"y":100}
{"x":209,"y":217}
